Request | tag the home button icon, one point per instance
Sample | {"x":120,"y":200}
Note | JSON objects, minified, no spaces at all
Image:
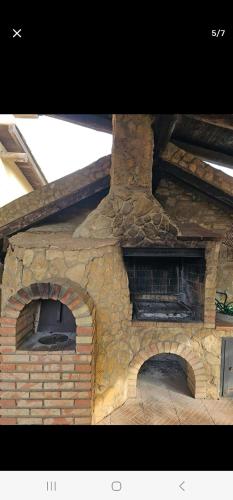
{"x":116,"y":486}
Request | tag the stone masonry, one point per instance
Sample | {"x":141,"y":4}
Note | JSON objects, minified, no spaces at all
{"x":130,"y":213}
{"x":99,"y":270}
{"x":185,"y":204}
{"x":84,"y":268}
{"x":191,"y":164}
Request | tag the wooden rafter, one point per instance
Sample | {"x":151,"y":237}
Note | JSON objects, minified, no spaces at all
{"x":19,"y":157}
{"x":26,"y":116}
{"x":97,"y":122}
{"x":35,"y":169}
{"x":225,"y":121}
{"x":163,"y":129}
{"x":13,"y":142}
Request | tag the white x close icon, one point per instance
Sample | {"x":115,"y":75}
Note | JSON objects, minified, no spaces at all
{"x":17,"y":33}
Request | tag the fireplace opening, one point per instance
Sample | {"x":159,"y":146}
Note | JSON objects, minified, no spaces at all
{"x":162,"y":374}
{"x":46,"y":325}
{"x":166,"y":284}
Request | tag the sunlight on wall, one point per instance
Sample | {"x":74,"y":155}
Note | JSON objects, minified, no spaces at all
{"x":12,"y":183}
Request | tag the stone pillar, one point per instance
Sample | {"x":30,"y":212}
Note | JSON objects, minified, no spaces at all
{"x":130,"y":213}
{"x":1,"y":273}
{"x":211,"y":256}
{"x":132,"y":152}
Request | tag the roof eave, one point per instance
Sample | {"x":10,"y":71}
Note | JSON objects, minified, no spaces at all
{"x":13,"y":141}
{"x":31,"y":169}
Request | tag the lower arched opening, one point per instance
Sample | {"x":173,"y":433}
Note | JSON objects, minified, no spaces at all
{"x":164,"y":374}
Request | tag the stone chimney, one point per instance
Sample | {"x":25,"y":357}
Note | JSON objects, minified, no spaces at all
{"x":130,"y":213}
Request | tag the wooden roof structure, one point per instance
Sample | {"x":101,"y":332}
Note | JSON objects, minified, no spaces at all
{"x":66,"y":192}
{"x":54,"y":197}
{"x":18,"y":151}
{"x":208,"y":138}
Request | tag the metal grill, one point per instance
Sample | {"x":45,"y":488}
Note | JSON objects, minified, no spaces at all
{"x":229,"y":238}
{"x":166,"y":289}
{"x":147,"y":278}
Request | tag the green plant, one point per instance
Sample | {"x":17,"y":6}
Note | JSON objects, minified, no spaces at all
{"x":224,"y":307}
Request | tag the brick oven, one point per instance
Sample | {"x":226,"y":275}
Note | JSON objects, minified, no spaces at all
{"x":87,"y":301}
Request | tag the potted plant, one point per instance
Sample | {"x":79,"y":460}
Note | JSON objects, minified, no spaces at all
{"x":224,"y":309}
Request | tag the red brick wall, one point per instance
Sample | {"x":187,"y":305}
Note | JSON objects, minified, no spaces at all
{"x":45,"y":387}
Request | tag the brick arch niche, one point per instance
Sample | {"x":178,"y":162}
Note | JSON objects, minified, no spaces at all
{"x":48,"y":387}
{"x":195,"y":371}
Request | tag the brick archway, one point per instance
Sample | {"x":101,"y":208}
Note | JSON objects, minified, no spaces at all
{"x":52,"y":387}
{"x":70,"y":294}
{"x":196,"y":375}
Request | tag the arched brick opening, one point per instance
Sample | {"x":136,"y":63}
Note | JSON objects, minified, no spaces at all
{"x":196,"y":375}
{"x":69,"y":294}
{"x":73,"y":389}
{"x":46,"y":324}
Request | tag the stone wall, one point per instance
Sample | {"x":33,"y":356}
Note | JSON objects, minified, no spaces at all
{"x":51,"y":253}
{"x":186,"y":204}
{"x":97,"y":270}
{"x":225,"y":271}
{"x":90,"y":260}
{"x":97,"y":267}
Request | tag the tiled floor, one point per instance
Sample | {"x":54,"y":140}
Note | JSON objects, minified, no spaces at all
{"x":164,"y":399}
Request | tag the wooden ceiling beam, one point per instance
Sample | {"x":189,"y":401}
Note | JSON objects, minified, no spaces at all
{"x":163,"y":130}
{"x":97,"y":122}
{"x":225,"y":121}
{"x":37,"y":174}
{"x":26,"y":116}
{"x":19,"y":157}
{"x":102,"y":123}
{"x":205,"y":154}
